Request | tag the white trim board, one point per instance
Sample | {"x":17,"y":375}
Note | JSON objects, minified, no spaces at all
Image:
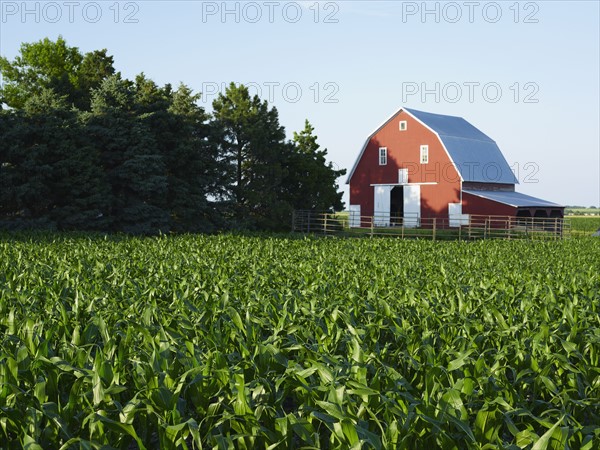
{"x":404,"y":184}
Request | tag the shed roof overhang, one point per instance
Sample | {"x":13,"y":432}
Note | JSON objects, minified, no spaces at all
{"x":515,"y":199}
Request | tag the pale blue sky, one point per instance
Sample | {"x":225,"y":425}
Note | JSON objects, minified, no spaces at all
{"x":533,"y":67}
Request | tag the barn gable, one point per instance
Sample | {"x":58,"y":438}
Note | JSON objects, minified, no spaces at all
{"x":475,"y":155}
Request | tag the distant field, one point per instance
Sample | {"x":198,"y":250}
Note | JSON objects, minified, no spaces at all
{"x":582,"y":211}
{"x":274,"y":342}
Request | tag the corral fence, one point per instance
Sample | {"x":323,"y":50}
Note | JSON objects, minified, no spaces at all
{"x":463,"y":227}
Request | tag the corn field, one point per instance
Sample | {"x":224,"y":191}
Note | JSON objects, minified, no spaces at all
{"x":254,"y":342}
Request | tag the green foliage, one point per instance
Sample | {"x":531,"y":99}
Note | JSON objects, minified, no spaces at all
{"x":252,"y":144}
{"x":193,"y":172}
{"x":251,"y":342}
{"x":585,"y":224}
{"x":130,"y":158}
{"x":56,"y":66}
{"x":81,"y":148}
{"x":311,"y":182}
{"x":267,"y":177}
{"x":49,"y":173}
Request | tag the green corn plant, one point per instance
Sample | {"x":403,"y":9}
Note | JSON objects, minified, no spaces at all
{"x":268,"y":342}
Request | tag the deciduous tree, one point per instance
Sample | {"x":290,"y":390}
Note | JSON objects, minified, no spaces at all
{"x":53,"y":65}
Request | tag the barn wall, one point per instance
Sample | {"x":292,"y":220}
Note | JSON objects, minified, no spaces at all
{"x":404,"y":152}
{"x":473,"y":204}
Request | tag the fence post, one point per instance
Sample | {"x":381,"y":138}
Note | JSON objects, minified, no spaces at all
{"x":308,"y":223}
{"x":434,"y":228}
{"x":485,"y":225}
{"x":372,"y":224}
{"x":325,"y":224}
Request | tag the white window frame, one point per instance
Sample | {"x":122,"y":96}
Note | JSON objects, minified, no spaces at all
{"x":424,"y":158}
{"x":402,"y":125}
{"x":383,"y":156}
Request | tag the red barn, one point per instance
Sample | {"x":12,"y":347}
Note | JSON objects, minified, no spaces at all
{"x":421,"y":165}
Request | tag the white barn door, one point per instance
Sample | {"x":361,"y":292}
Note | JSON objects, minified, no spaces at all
{"x":455,"y":214}
{"x":412,"y":206}
{"x":457,"y":218}
{"x":381,"y":213}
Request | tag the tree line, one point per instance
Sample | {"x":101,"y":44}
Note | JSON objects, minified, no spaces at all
{"x":83,"y":148}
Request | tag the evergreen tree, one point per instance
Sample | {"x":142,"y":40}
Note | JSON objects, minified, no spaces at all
{"x":193,"y":169}
{"x":23,"y":174}
{"x":311,"y":182}
{"x":133,"y":165}
{"x":251,"y":144}
{"x":95,"y":67}
{"x":180,"y":130}
{"x":49,"y":175}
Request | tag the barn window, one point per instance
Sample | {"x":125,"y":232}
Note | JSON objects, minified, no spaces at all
{"x":403,"y":125}
{"x":382,"y":156}
{"x":424,"y":154}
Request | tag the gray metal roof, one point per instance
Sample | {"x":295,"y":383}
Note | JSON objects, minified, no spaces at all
{"x":515,"y":199}
{"x":476,"y":156}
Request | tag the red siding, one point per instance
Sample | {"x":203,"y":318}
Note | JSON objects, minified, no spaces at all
{"x":404,"y":152}
{"x":473,"y":204}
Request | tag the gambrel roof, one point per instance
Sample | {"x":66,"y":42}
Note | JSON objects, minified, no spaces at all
{"x":475,"y":155}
